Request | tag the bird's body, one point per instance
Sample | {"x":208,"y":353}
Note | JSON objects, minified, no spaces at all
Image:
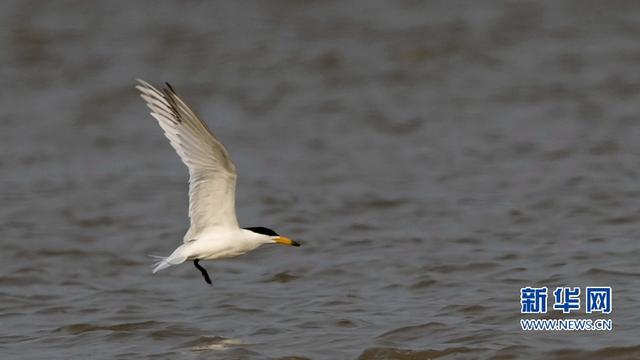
{"x":214,"y":232}
{"x":215,"y":243}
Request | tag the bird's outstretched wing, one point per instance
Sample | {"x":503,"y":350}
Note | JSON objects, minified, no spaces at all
{"x":212,"y":174}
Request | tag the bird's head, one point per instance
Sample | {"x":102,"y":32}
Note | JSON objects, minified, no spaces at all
{"x":273,"y":236}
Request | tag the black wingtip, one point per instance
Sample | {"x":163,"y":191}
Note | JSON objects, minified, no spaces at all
{"x":169,"y":95}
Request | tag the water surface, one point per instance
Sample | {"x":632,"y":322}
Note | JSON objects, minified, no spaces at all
{"x":432,"y":157}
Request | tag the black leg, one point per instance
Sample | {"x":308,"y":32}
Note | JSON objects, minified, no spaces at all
{"x":204,"y":272}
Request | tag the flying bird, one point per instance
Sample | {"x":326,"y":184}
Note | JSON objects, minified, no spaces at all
{"x":214,"y":232}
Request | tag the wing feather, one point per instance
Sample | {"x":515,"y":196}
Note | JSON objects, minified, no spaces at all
{"x":212,"y":174}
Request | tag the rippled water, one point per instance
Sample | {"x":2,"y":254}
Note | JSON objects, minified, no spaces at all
{"x":432,"y":157}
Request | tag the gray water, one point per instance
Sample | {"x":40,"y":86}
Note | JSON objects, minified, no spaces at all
{"x":432,"y":157}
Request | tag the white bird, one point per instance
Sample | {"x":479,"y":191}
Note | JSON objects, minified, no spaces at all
{"x":214,"y":232}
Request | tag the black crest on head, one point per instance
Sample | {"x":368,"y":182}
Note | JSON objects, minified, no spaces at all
{"x":262,"y":230}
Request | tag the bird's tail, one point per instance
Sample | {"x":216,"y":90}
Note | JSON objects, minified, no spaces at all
{"x":162,"y":262}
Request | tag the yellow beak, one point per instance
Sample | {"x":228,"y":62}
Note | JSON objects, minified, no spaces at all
{"x":285,"y":241}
